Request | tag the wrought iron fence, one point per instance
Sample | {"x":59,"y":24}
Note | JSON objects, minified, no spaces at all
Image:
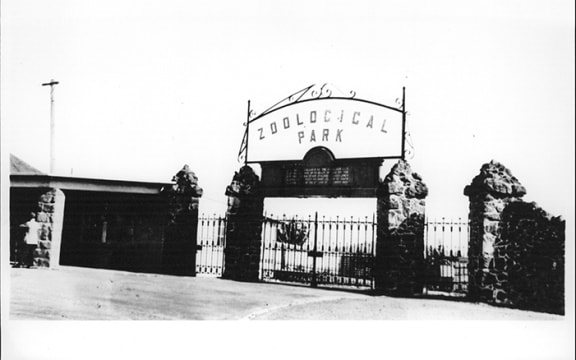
{"x":319,"y":251}
{"x":211,"y":242}
{"x":445,"y":257}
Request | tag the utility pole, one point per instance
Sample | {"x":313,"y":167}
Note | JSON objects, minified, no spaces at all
{"x":52,"y":124}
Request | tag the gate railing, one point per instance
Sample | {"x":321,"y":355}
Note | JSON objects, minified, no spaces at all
{"x":445,"y":257}
{"x":327,"y":251}
{"x":319,"y":251}
{"x":210,"y":245}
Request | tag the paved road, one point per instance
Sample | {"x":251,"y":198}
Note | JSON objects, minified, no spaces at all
{"x":93,"y":294}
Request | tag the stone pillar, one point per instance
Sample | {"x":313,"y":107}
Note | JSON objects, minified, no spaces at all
{"x":50,"y":215}
{"x":489,"y":193}
{"x":180,"y":243}
{"x":400,"y":232}
{"x":244,"y":227}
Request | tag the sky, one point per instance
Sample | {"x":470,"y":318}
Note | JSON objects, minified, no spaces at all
{"x":146,"y":88}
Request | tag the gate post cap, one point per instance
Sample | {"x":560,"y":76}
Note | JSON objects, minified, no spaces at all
{"x":497,"y":180}
{"x":401,"y":179}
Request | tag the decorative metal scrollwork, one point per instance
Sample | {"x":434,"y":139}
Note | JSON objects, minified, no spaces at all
{"x":409,"y":149}
{"x":398,"y":101}
{"x":323,"y":91}
{"x":409,"y":152}
{"x":327,"y":90}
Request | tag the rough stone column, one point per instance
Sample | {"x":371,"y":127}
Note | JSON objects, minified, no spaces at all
{"x":400,"y":233}
{"x":244,"y":227}
{"x":180,"y":243}
{"x":50,"y":215}
{"x":489,"y":193}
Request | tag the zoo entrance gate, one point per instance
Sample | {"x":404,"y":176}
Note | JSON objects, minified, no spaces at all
{"x":337,"y":252}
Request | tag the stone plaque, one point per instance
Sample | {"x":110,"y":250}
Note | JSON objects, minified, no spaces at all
{"x":341,"y":176}
{"x":351,"y":178}
{"x":291,"y":177}
{"x":316,"y":176}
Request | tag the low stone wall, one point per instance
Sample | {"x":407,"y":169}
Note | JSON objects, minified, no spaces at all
{"x":528,"y":271}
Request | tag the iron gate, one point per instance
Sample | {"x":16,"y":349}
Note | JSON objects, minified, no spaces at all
{"x":210,"y":245}
{"x":338,"y":252}
{"x":446,"y":263}
{"x":319,"y":251}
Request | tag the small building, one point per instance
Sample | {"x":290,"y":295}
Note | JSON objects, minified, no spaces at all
{"x":112,"y":224}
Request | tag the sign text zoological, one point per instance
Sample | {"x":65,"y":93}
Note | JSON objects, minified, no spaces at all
{"x":350,"y":128}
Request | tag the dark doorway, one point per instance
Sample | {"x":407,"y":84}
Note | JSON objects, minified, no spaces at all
{"x":23,"y":201}
{"x":113,"y":230}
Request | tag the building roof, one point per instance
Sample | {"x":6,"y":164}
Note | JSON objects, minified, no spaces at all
{"x":20,"y":167}
{"x":23,"y":175}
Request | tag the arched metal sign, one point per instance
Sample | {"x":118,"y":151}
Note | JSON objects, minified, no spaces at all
{"x":313,"y":143}
{"x":351,"y":128}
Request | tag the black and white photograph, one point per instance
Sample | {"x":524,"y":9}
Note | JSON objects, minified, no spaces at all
{"x":287,"y":179}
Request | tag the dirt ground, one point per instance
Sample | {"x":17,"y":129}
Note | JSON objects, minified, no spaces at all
{"x":92,"y":294}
